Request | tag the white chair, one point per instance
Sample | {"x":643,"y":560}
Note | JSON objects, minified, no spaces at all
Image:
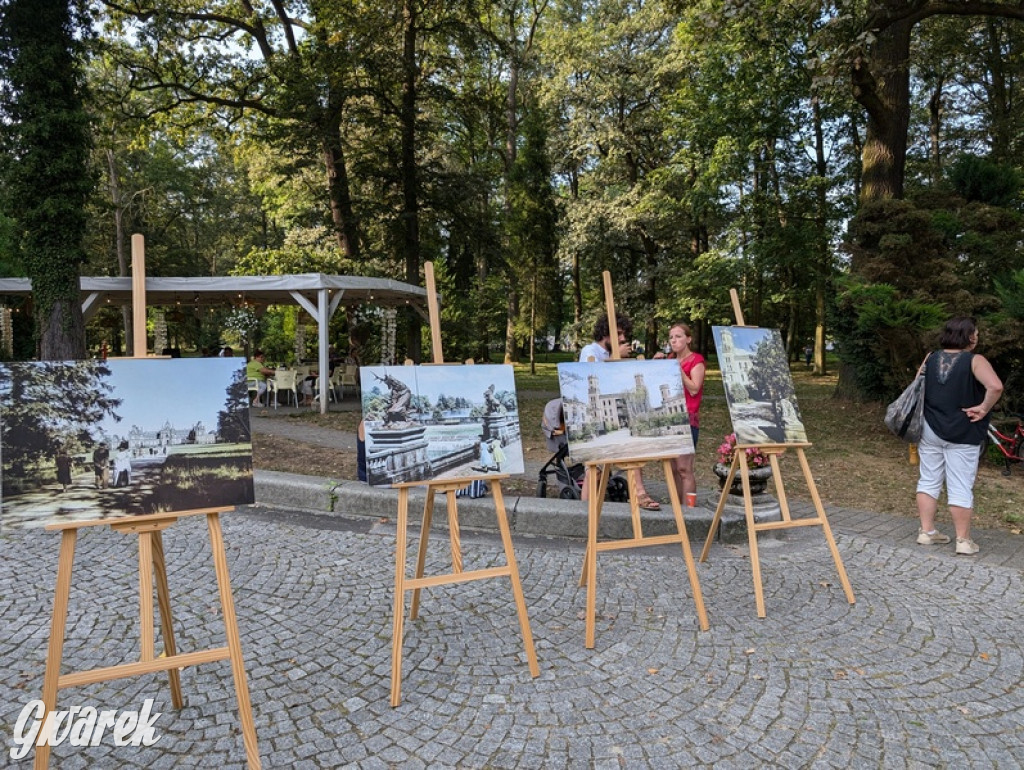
{"x":254,"y":389}
{"x":316,"y":391}
{"x":350,"y":376}
{"x":338,"y":383}
{"x":285,"y":380}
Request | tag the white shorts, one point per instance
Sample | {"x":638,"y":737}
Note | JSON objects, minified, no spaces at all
{"x":957,"y":464}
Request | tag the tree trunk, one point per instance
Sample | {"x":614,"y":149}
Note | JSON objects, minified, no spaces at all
{"x":410,"y":191}
{"x":511,"y":348}
{"x":340,"y":196}
{"x":62,"y":332}
{"x":122,"y":259}
{"x":823,"y":266}
{"x":884,"y":92}
{"x":1001,"y":103}
{"x":649,"y":295}
{"x":577,"y":281}
{"x":935,"y":132}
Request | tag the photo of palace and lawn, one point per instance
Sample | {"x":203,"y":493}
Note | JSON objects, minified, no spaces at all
{"x":90,"y":440}
{"x":440,"y":422}
{"x":624,"y":409}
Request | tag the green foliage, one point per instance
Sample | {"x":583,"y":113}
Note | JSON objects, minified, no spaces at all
{"x":47,"y":132}
{"x":233,"y":419}
{"x":881,"y":334}
{"x":985,"y":181}
{"x":1011,"y":293}
{"x":769,"y":372}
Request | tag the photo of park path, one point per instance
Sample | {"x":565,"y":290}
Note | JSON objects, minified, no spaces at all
{"x":94,"y":440}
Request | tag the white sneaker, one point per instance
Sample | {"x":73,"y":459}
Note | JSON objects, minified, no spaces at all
{"x":966,"y":547}
{"x":935,"y":538}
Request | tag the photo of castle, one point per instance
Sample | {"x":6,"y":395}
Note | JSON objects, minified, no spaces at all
{"x":624,"y":410}
{"x":758,"y":386}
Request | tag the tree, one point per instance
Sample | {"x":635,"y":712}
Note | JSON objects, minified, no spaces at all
{"x":59,"y":407}
{"x":233,"y":419}
{"x":880,"y":75}
{"x":47,"y":142}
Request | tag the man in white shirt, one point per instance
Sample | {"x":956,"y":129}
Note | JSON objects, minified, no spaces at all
{"x":601,"y":348}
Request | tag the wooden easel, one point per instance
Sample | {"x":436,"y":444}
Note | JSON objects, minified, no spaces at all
{"x":597,"y":476}
{"x":151,"y":561}
{"x":739,"y":464}
{"x":458,"y":574}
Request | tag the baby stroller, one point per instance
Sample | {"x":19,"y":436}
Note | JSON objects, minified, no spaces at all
{"x":569,"y":478}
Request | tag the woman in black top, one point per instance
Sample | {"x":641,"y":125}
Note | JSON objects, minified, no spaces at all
{"x":960,"y":390}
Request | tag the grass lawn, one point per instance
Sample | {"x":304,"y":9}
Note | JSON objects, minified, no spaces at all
{"x":856,"y":462}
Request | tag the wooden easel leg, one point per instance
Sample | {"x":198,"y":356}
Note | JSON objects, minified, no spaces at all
{"x":717,"y":518}
{"x":847,"y":588}
{"x":163,"y":597}
{"x":421,"y":554}
{"x":691,"y":568}
{"x":55,"y":650}
{"x":517,"y":587}
{"x":227,"y":604}
{"x":748,"y":510}
{"x":605,"y":473}
{"x":398,"y":610}
{"x":146,"y":632}
{"x":453,"y":533}
{"x":594,"y":512}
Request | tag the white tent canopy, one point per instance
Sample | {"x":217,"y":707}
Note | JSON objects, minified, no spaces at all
{"x":318,"y":294}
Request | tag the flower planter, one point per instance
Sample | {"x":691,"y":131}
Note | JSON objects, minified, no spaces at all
{"x":758,"y":479}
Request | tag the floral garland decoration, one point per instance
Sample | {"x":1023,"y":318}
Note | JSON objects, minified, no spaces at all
{"x":387,"y":343}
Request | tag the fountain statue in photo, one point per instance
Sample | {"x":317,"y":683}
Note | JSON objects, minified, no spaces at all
{"x":399,"y":446}
{"x":498,"y":424}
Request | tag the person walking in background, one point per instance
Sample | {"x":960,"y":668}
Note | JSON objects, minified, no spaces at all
{"x":960,"y":389}
{"x":601,"y":350}
{"x":123,"y":465}
{"x":63,"y":462}
{"x":692,"y":367}
{"x":100,"y":461}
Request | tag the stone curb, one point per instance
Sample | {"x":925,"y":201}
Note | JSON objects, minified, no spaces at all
{"x":547,"y":517}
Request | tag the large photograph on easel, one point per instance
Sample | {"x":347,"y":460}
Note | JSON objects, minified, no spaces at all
{"x":426,"y":423}
{"x":758,"y":386}
{"x":624,"y":410}
{"x":91,"y":440}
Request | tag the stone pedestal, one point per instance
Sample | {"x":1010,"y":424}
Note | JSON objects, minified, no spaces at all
{"x":500,"y":426}
{"x":766,"y":507}
{"x":399,"y":453}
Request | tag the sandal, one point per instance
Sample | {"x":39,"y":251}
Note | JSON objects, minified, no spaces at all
{"x":648,"y":503}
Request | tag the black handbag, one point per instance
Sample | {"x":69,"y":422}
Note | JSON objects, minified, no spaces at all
{"x":904,"y":417}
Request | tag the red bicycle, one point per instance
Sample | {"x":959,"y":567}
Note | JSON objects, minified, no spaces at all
{"x":1011,"y":447}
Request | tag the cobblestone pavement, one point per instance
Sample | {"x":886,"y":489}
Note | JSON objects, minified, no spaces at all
{"x":925,"y":670}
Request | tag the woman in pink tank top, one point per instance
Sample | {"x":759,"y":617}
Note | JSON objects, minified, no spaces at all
{"x":692,"y":367}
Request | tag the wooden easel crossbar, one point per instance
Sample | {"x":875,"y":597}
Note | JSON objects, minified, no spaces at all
{"x":152,"y":563}
{"x":415,"y":584}
{"x":597,"y":479}
{"x":447,"y":487}
{"x":739,"y":465}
